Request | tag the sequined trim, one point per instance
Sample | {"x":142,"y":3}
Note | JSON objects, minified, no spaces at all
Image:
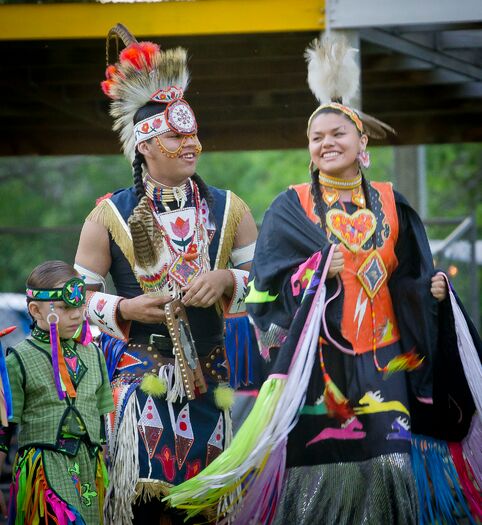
{"x":377,"y":491}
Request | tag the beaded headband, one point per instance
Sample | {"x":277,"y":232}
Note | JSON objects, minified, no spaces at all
{"x":349,"y":112}
{"x":177,"y":117}
{"x":73,"y":293}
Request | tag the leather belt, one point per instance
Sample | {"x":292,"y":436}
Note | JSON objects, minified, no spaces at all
{"x":140,"y":359}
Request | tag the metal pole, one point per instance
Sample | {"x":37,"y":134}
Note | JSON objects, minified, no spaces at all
{"x":422,"y":181}
{"x":474,"y":275}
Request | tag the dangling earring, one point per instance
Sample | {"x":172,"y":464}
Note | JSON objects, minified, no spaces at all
{"x":364,"y":159}
{"x":53,"y":321}
{"x":83,"y":335}
{"x":63,"y":383}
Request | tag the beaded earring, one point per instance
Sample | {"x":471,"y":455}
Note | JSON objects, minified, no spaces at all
{"x":364,"y":159}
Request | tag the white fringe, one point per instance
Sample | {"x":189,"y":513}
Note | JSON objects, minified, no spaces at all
{"x":175,"y":387}
{"x":471,"y":446}
{"x":285,"y":414}
{"x":234,"y":497}
{"x":124,"y":469}
{"x":228,"y":427}
{"x":112,"y":430}
{"x":468,"y":354}
{"x":139,"y":410}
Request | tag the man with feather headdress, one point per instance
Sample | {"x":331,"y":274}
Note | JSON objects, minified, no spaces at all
{"x":169,"y":237}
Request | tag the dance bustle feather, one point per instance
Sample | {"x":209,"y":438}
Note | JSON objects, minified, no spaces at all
{"x":142,"y":70}
{"x":147,"y":241}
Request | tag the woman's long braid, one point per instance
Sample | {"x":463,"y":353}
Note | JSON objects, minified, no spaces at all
{"x":204,"y":193}
{"x":137,"y":174}
{"x":317,"y":197}
{"x":364,"y":185}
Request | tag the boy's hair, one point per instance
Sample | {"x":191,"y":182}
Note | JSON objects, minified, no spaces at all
{"x":49,"y":274}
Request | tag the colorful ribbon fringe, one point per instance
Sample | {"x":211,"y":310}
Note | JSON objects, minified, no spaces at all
{"x":238,"y":351}
{"x":63,"y":383}
{"x":443,"y":483}
{"x":5,"y":391}
{"x":253,"y":465}
{"x":113,"y":349}
{"x":31,"y":499}
{"x":84,"y":337}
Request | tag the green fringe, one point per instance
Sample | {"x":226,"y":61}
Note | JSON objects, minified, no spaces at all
{"x":196,"y":495}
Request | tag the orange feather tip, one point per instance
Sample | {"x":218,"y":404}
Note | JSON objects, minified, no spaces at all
{"x":337,"y":404}
{"x":100,"y":199}
{"x":106,"y":87}
{"x":132,"y":55}
{"x":7,"y":330}
{"x":149,"y":49}
{"x":341,"y":411}
{"x":110,"y":72}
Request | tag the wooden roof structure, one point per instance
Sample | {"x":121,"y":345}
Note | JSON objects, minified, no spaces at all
{"x":248,"y":87}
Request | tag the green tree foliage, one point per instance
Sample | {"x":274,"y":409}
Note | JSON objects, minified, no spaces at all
{"x":41,"y":193}
{"x":454,"y":180}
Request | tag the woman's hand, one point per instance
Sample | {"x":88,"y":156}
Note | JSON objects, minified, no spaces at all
{"x":438,"y":286}
{"x":337,"y":263}
{"x":144,"y":308}
{"x":207,"y":288}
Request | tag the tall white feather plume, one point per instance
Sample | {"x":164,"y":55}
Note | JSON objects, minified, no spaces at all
{"x":333,"y":74}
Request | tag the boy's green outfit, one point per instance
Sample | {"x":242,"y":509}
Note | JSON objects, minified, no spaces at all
{"x":59,"y":474}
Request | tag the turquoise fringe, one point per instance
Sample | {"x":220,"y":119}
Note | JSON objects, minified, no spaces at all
{"x":438,"y":485}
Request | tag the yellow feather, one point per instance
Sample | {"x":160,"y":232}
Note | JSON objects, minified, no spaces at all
{"x":153,"y":386}
{"x":224,"y":397}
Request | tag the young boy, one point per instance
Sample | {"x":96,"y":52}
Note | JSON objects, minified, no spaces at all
{"x":60,"y":392}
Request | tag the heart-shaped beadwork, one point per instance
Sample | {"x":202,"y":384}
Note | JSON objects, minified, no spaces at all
{"x":352,"y":230}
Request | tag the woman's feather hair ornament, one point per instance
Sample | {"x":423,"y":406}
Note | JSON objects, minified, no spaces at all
{"x":334,"y":76}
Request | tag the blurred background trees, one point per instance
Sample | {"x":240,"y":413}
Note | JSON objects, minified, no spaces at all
{"x":44,"y":200}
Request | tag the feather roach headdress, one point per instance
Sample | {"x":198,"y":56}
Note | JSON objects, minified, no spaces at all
{"x":333,"y":77}
{"x":146,"y":74}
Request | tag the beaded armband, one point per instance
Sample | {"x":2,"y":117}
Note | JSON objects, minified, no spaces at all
{"x":102,"y":311}
{"x":235,"y":306}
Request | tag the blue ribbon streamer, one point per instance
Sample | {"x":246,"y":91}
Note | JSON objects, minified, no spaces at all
{"x":238,"y":351}
{"x":6,"y":384}
{"x":113,"y":349}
